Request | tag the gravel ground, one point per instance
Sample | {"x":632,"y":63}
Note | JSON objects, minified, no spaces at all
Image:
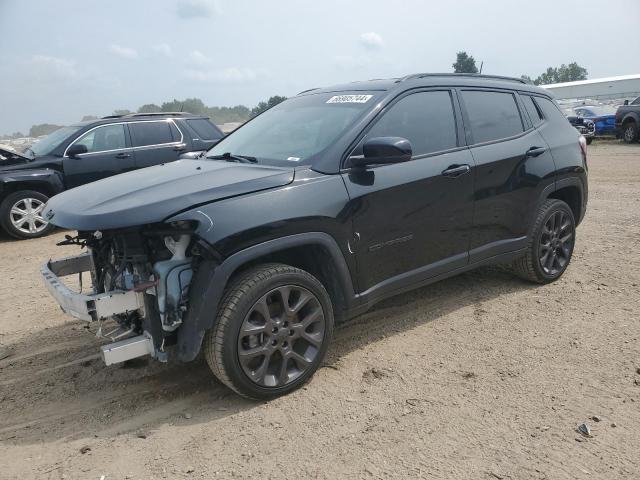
{"x":481,"y":376}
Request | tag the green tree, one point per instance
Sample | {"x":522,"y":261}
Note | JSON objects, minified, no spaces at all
{"x":88,"y":118}
{"x":220,"y":115}
{"x":526,"y":78}
{"x":565,"y":73}
{"x":572,"y":72}
{"x":122,"y":111}
{"x":149,"y":108}
{"x":12,"y":136}
{"x":43,"y":129}
{"x":262,"y":106}
{"x":189,"y":105}
{"x":464,"y":64}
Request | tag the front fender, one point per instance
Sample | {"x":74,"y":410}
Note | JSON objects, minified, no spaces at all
{"x":49,"y":180}
{"x":212,"y":278}
{"x":631,"y":115}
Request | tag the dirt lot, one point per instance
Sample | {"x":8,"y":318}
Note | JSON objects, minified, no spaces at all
{"x":481,"y":377}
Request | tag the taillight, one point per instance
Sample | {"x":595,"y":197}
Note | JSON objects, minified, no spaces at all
{"x":583,"y":148}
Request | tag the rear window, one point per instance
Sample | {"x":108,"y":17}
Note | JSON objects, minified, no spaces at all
{"x":492,"y":115}
{"x":152,"y":133}
{"x":204,"y":129}
{"x":532,"y":110}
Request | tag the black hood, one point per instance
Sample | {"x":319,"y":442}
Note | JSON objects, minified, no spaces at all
{"x":152,"y":194}
{"x":11,"y":157}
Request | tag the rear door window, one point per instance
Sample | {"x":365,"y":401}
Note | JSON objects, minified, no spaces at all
{"x":426,"y":119}
{"x":152,"y":133}
{"x":492,"y":115}
{"x":532,"y":110}
{"x":204,"y":129}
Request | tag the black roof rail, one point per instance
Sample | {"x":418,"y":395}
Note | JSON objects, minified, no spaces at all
{"x":309,"y":90}
{"x":469,"y":75}
{"x":151,"y":114}
{"x":158,"y":114}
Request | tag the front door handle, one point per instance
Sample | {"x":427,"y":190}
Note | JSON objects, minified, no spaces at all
{"x":456,"y":170}
{"x":535,"y":151}
{"x":180,"y":148}
{"x":123,"y":155}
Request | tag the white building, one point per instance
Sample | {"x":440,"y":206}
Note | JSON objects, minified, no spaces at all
{"x":610,"y":88}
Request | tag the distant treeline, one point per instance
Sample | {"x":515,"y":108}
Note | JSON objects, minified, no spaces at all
{"x":219,"y":115}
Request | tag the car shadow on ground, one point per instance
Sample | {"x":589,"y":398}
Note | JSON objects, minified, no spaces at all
{"x":53,"y":384}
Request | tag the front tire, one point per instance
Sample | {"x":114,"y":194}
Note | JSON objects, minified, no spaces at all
{"x":630,"y":132}
{"x":21,"y":215}
{"x":273,"y":328}
{"x":551,"y":244}
{"x":589,"y":140}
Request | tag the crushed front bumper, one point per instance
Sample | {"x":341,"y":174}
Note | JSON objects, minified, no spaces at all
{"x":100,"y":306}
{"x":89,"y":307}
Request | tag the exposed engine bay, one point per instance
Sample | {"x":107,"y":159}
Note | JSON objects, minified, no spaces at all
{"x":154,"y":265}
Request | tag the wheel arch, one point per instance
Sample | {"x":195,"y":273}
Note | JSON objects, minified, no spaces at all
{"x":570,"y":191}
{"x":40,"y":187}
{"x":316,"y":252}
{"x":47,"y":182}
{"x":631,"y":117}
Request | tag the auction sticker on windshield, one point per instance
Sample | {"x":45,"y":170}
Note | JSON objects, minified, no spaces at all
{"x":349,"y":99}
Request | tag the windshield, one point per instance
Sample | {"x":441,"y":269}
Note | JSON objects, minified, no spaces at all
{"x":292,"y":132}
{"x":46,"y":145}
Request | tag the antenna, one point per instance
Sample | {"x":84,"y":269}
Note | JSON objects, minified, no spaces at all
{"x":481,"y":64}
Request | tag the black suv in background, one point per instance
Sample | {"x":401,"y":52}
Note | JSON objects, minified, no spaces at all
{"x":314,"y":211}
{"x":628,"y":121}
{"x":89,"y":151}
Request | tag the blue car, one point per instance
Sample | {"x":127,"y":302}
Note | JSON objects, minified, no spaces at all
{"x":604,"y":116}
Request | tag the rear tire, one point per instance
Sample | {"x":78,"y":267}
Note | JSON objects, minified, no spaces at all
{"x":21,"y":215}
{"x":551,"y":244}
{"x":273,"y":328}
{"x":630,"y":132}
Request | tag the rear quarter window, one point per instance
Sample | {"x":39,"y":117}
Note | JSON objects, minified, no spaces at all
{"x":550,"y":110}
{"x":204,"y":128}
{"x":532,"y":109}
{"x":492,"y":115}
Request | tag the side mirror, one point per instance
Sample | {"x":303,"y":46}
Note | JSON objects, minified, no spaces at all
{"x":383,"y":150}
{"x":77,"y":149}
{"x":626,"y":102}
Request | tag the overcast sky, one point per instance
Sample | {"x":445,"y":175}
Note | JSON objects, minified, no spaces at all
{"x":60,"y":60}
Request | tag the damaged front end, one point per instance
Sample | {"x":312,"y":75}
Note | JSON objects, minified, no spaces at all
{"x":140,"y":285}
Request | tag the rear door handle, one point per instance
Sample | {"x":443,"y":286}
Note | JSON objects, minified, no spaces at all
{"x":123,"y":155}
{"x":535,"y":151}
{"x":456,"y":170}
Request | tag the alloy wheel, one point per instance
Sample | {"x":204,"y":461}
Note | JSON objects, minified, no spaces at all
{"x":26,"y":215}
{"x":629,"y":133}
{"x":281,"y":336}
{"x":556,"y":243}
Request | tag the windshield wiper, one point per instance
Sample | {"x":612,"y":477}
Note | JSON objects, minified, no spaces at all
{"x":229,"y":157}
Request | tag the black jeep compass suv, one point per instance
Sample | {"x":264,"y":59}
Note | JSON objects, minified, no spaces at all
{"x":314,"y":211}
